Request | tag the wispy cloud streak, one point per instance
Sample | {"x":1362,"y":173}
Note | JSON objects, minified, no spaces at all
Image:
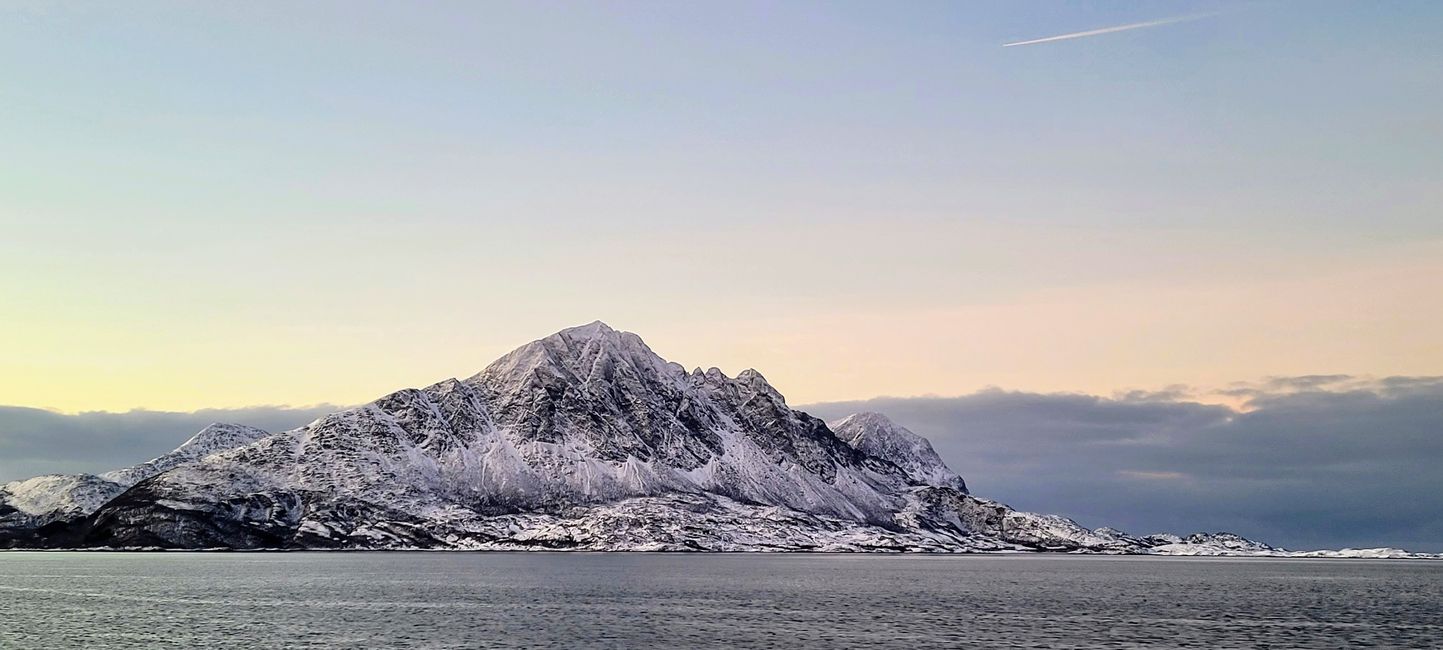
{"x":1109,"y":30}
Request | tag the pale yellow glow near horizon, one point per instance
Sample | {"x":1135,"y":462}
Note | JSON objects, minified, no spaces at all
{"x":1378,"y":317}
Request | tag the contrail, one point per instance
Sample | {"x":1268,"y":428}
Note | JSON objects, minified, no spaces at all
{"x":1109,"y":30}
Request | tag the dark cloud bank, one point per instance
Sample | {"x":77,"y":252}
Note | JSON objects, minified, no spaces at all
{"x":1308,"y":462}
{"x":35,"y":441}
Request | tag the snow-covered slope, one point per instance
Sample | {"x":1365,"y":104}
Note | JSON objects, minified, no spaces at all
{"x":876,"y":435}
{"x":42,"y":500}
{"x":218,"y":436}
{"x":1231,"y":545}
{"x":585,"y":439}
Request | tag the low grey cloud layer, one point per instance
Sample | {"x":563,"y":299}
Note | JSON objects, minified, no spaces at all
{"x":1320,"y":461}
{"x":1317,"y":461}
{"x":36,"y":441}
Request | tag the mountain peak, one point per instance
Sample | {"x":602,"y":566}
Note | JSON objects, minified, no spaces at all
{"x":575,"y":354}
{"x":594,"y":329}
{"x":877,"y":435}
{"x":855,"y":423}
{"x":216,"y":437}
{"x":222,"y":435}
{"x":756,"y":382}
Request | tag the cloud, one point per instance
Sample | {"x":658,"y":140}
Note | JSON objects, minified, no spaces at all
{"x":1109,"y":30}
{"x":1304,"y":462}
{"x":36,"y":441}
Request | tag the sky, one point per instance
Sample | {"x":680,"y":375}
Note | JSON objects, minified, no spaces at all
{"x":227,"y":206}
{"x":217,"y":205}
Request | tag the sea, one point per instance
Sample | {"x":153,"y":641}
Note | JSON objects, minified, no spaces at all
{"x":642,"y":600}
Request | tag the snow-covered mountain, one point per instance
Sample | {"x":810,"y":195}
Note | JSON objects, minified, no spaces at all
{"x":585,"y":439}
{"x":39,"y":501}
{"x":876,"y":435}
{"x":215,"y":438}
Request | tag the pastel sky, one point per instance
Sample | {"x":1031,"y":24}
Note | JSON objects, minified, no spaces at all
{"x":229,"y":204}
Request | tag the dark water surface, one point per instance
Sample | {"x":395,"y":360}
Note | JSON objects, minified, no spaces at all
{"x":560,"y":600}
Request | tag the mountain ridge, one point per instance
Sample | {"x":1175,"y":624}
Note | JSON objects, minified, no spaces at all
{"x":584,"y":440}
